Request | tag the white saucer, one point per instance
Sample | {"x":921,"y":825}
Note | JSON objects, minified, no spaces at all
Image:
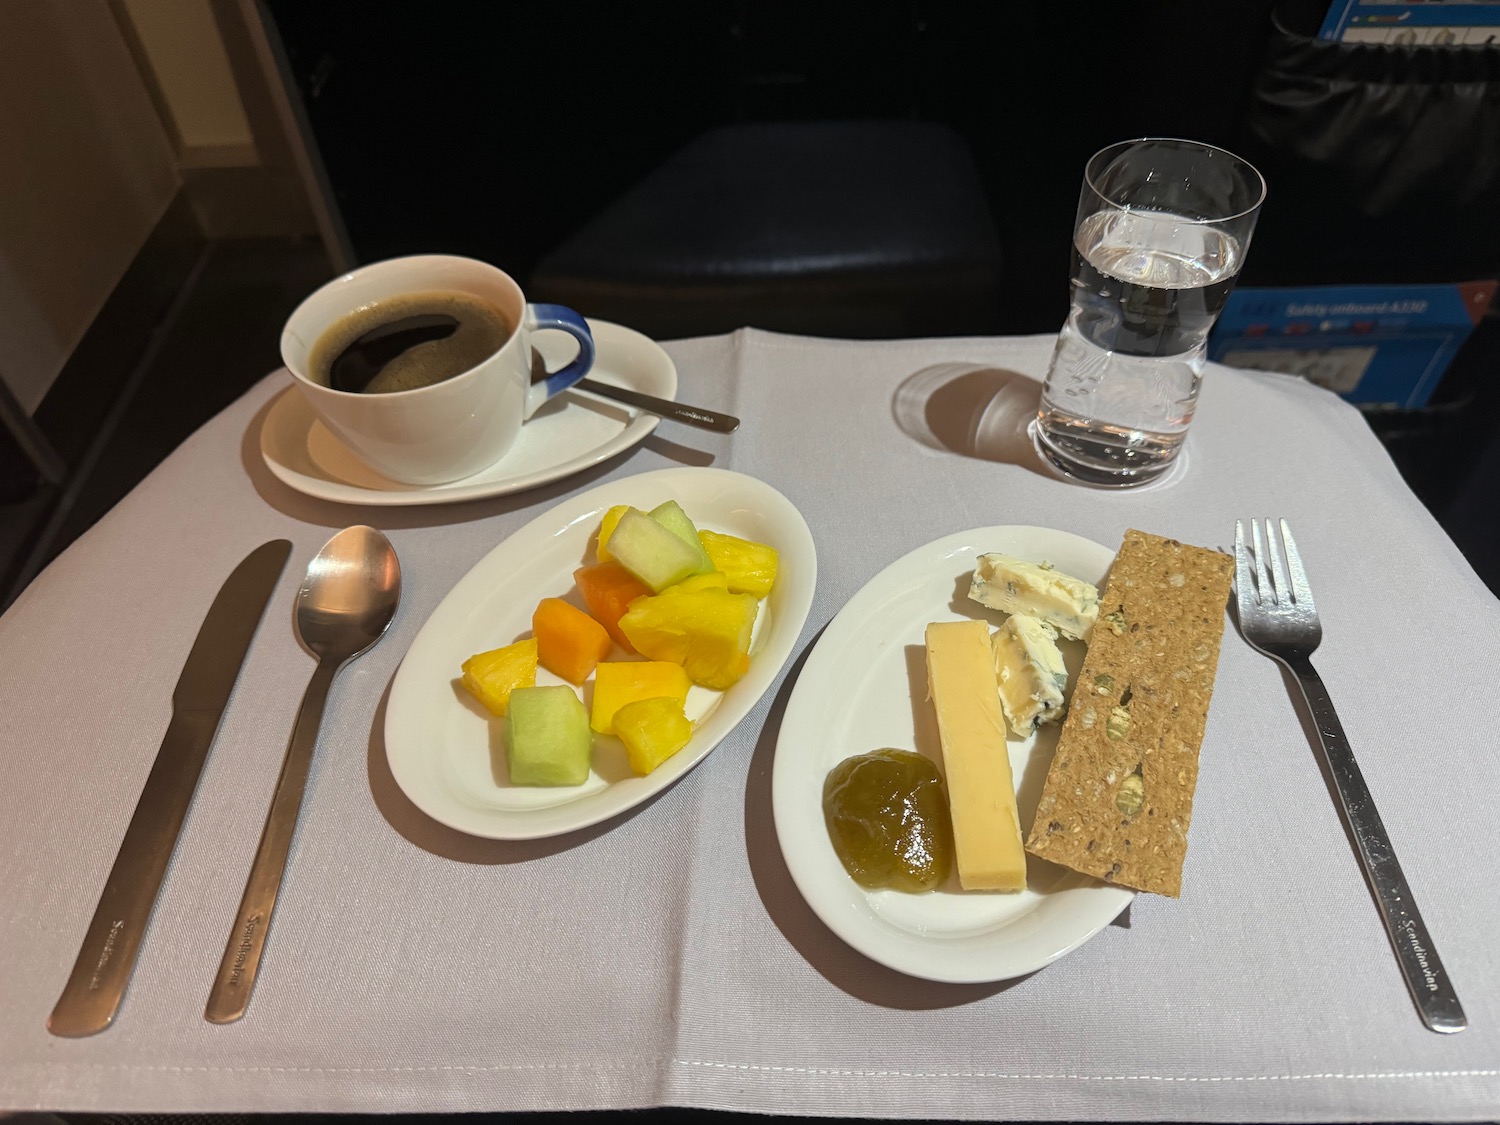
{"x":569,"y":433}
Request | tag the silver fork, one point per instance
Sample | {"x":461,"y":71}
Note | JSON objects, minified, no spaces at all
{"x":1277,"y":616}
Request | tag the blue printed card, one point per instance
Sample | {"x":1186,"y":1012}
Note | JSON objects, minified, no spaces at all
{"x":1373,"y":344}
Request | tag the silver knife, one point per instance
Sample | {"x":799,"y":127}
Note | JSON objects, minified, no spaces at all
{"x":92,"y":995}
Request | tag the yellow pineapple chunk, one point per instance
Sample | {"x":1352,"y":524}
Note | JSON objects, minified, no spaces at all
{"x":607,"y":528}
{"x":492,"y":676}
{"x":617,"y":683}
{"x":706,"y":631}
{"x":713,"y":580}
{"x":652,"y":731}
{"x":750,"y":567}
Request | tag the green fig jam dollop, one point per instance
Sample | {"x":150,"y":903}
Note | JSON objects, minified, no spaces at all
{"x":887,"y":815}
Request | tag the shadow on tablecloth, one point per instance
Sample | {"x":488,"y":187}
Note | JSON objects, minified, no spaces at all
{"x":975,"y":411}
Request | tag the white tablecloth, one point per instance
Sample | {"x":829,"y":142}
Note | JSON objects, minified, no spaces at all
{"x":666,"y":958}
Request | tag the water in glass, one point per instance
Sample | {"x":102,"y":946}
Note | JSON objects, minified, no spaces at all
{"x":1146,"y":288}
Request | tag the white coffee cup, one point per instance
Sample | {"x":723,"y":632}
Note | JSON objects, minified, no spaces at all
{"x":450,"y":429}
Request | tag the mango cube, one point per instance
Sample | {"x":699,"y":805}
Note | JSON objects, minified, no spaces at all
{"x":706,"y":631}
{"x":619,"y":683}
{"x":652,"y":731}
{"x":492,"y":676}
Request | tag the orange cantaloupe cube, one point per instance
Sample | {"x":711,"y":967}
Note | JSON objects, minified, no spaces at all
{"x":608,"y":589}
{"x":568,"y":641}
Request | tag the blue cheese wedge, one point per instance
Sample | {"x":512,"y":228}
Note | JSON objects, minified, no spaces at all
{"x":1030,"y":673}
{"x":1012,"y":585}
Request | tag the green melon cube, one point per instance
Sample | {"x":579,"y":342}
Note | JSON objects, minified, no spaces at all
{"x":547,"y":741}
{"x":655,"y":555}
{"x":671,"y":516}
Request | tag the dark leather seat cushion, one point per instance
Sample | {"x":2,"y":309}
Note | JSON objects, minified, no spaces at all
{"x":863,"y":229}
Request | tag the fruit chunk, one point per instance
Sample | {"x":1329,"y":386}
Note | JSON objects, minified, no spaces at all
{"x":619,"y":683}
{"x":652,"y":731}
{"x":671,"y":516}
{"x":608,"y":589}
{"x":652,"y":553}
{"x":713,"y":580}
{"x":749,"y":566}
{"x":548,"y":740}
{"x":568,"y":641}
{"x":706,"y":631}
{"x":492,"y":676}
{"x":607,"y":528}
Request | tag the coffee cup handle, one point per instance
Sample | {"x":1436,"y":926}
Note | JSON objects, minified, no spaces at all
{"x":561,"y":317}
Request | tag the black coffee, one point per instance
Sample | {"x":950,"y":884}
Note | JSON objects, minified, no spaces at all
{"x":406,"y":342}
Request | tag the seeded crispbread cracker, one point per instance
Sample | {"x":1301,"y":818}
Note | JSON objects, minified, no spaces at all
{"x":1119,"y":793}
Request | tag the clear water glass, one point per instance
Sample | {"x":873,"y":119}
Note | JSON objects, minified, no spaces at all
{"x":1162,"y":230}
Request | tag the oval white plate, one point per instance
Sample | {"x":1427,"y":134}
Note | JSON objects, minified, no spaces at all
{"x":568,"y":434}
{"x":865,"y":687}
{"x":439,"y":742}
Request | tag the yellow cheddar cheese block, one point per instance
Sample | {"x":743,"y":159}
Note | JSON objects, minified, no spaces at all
{"x":981,"y":794}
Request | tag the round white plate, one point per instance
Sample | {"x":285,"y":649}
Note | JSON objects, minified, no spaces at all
{"x":440,"y":742}
{"x":865,"y":687}
{"x":569,"y":433}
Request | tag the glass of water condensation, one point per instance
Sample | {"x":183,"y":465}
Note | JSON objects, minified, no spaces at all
{"x":1162,"y":230}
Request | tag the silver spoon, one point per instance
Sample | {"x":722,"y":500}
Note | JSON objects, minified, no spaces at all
{"x":700,"y":416}
{"x":346,"y":601}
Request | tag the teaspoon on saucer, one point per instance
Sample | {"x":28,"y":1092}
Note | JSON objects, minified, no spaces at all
{"x":699,"y":416}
